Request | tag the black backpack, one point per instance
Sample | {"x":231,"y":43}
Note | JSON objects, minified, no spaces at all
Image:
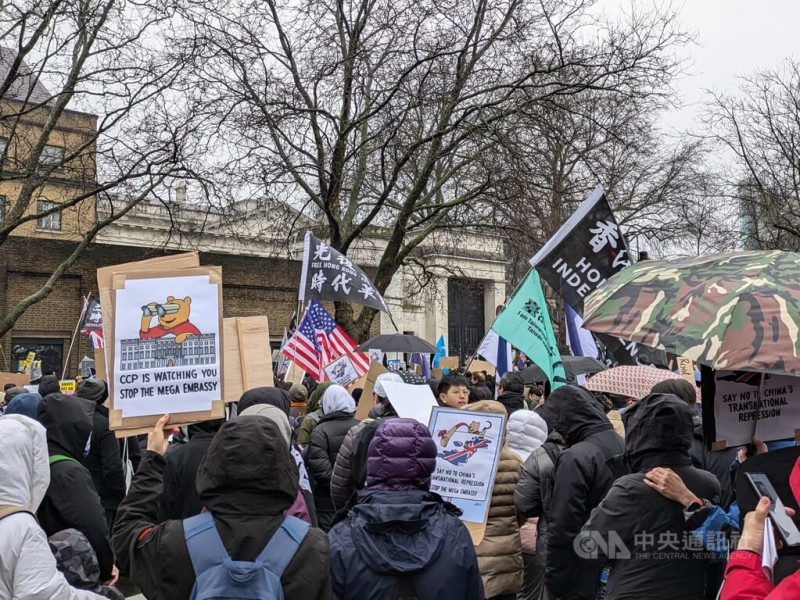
{"x":360,"y":451}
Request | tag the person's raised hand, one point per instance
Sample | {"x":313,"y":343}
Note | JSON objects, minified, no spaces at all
{"x":667,"y":483}
{"x":761,"y":448}
{"x":157,"y":438}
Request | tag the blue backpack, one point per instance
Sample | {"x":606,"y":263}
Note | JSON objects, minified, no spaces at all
{"x":220,"y":577}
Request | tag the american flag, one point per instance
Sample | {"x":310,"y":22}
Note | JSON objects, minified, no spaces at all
{"x":319,"y":340}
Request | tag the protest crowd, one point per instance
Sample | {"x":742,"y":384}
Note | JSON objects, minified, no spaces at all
{"x":528,"y":480}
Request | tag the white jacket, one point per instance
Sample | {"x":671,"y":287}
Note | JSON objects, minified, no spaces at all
{"x":27,"y":566}
{"x":525,"y":432}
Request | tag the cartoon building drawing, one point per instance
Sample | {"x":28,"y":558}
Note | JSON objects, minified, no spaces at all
{"x":166,"y":352}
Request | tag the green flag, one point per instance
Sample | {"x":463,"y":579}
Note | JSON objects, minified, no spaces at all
{"x":525,"y":323}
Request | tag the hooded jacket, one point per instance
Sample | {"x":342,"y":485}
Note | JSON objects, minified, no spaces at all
{"x":27,"y":566}
{"x":103,"y":461}
{"x":71,"y":500}
{"x":581,"y":480}
{"x":500,"y":552}
{"x":24,"y":404}
{"x":179,"y":498}
{"x":313,"y":414}
{"x":247,"y":480}
{"x":525,"y":432}
{"x":397,"y":533}
{"x":338,"y":408}
{"x":273,"y":396}
{"x":658,"y":434}
{"x":513,"y":401}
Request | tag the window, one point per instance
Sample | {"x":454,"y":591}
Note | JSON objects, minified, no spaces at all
{"x":51,"y":221}
{"x":52,"y":156}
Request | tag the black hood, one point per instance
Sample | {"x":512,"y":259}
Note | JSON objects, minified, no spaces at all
{"x":68,"y":420}
{"x":94,"y":390}
{"x":574,"y":412}
{"x":265,"y":395}
{"x":247,"y":470}
{"x":658,"y":432}
{"x":49,"y":385}
{"x":204,"y":427}
{"x":513,"y":401}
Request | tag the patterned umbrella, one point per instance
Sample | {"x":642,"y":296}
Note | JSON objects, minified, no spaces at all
{"x":738,"y":311}
{"x":628,"y":381}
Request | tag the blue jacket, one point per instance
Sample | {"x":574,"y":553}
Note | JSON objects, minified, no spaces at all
{"x":387,"y":534}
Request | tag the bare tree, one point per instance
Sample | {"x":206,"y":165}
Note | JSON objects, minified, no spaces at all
{"x":386,"y":114}
{"x":760,"y":127}
{"x":89,"y":120}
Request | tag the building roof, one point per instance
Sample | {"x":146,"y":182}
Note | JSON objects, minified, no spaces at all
{"x":26,"y":86}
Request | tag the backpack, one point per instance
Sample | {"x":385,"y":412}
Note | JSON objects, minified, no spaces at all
{"x":614,"y":461}
{"x":219,"y":577}
{"x":359,"y":453}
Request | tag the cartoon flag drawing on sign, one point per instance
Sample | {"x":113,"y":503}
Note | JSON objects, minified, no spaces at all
{"x":330,"y":275}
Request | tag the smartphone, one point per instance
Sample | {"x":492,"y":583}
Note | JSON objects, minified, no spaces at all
{"x":784,"y":524}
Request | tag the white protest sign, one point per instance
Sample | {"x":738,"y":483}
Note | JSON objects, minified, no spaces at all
{"x":468,"y":445}
{"x":411,"y":401}
{"x":167,"y":346}
{"x":748,"y":405}
{"x":341,"y":371}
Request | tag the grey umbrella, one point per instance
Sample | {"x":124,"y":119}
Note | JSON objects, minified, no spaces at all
{"x":397,"y":342}
{"x":573,"y":365}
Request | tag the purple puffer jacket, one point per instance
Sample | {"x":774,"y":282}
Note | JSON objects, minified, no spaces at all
{"x":402,"y":456}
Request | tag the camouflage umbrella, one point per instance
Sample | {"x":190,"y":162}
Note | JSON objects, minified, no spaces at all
{"x":738,"y":311}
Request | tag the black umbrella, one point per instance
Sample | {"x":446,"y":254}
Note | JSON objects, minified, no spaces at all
{"x":398,"y":342}
{"x":573,"y":365}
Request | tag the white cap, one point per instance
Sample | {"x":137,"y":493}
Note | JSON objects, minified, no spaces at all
{"x":378,"y":389}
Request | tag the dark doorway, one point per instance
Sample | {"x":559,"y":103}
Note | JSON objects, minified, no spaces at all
{"x":465,"y":316}
{"x":49,"y":351}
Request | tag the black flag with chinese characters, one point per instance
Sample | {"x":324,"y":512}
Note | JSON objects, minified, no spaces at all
{"x":330,"y":275}
{"x":588,"y":249}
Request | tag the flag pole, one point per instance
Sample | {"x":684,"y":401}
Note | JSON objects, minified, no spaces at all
{"x":72,"y":342}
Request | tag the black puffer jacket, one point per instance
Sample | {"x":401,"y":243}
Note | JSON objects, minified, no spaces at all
{"x":103,"y":461}
{"x":658,"y":434}
{"x":71,"y":500}
{"x":323,"y":449}
{"x":582,"y":479}
{"x":247,"y":481}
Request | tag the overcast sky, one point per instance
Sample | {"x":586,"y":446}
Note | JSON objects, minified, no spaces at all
{"x":735,"y":37}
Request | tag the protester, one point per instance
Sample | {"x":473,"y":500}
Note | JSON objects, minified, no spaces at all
{"x":298,"y":397}
{"x":179,"y":498}
{"x":313,"y":414}
{"x":24,"y":404}
{"x":49,"y":385}
{"x":71,"y":500}
{"x":510,"y":392}
{"x":103,"y":461}
{"x":478,"y":389}
{"x":78,"y":562}
{"x":500,"y":552}
{"x":338,"y":408}
{"x":346,"y":479}
{"x":397,"y":540}
{"x":659,"y":434}
{"x":265,"y":395}
{"x":717,"y":462}
{"x":13,"y":392}
{"x":582,"y":479}
{"x":453,"y":391}
{"x":744,"y":574}
{"x":532,"y":498}
{"x":246,"y":481}
{"x":27,"y":567}
{"x":526,"y":432}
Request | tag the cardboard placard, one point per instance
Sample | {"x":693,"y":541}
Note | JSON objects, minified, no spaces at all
{"x":686,"y":369}
{"x":18,"y":379}
{"x":468,"y":453}
{"x":69,"y":387}
{"x":341,"y":371}
{"x":481,"y":365}
{"x":437,"y":373}
{"x":245,"y":345}
{"x":365,"y":402}
{"x":449,"y":362}
{"x":294,"y":374}
{"x":211,"y":372}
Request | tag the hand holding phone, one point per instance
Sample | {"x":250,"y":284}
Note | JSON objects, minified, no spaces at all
{"x":783,"y":523}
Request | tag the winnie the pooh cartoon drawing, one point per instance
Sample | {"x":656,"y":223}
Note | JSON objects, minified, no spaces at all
{"x":173,"y":318}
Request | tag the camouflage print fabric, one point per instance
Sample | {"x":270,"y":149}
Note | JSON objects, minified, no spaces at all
{"x":76,"y":559}
{"x":738,"y":311}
